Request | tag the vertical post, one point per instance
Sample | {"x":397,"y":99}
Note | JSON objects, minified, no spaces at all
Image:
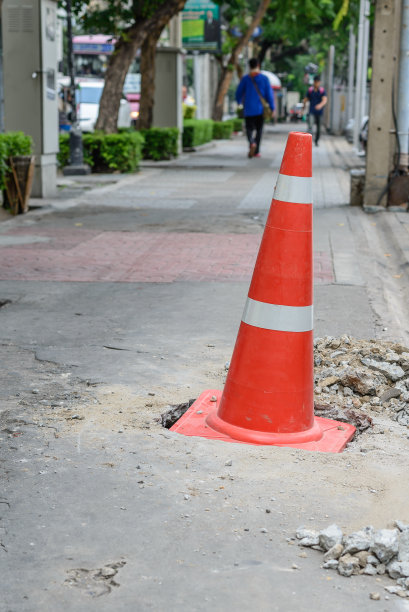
{"x":403,"y":90}
{"x":76,"y":165}
{"x":365,"y":52}
{"x":381,"y":134}
{"x":197,"y":79}
{"x":351,"y":73}
{"x":358,"y":89}
{"x":330,"y":89}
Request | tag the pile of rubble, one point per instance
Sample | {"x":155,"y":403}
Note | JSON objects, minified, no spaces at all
{"x":368,"y":551}
{"x":362,"y":376}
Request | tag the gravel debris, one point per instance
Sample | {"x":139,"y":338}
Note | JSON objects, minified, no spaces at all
{"x":368,"y":552}
{"x":357,"y":378}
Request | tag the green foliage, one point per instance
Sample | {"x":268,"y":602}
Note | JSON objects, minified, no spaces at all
{"x":12,"y":144}
{"x":222,"y":129}
{"x":113,"y":17}
{"x":63,"y":155}
{"x":189,"y":111}
{"x":236,"y":123}
{"x":106,"y":152}
{"x":197,"y":132}
{"x":160,"y":143}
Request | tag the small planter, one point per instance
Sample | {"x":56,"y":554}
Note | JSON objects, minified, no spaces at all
{"x":19,"y":182}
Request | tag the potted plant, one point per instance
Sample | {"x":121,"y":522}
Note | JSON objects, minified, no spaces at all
{"x":16,"y":170}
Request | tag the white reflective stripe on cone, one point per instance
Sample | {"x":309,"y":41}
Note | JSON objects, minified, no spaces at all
{"x":295,"y":189}
{"x":278,"y":318}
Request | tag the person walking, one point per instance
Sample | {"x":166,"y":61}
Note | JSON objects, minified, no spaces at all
{"x":317,"y":98}
{"x":255,"y":93}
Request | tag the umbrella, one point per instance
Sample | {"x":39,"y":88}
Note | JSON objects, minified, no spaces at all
{"x":273,"y":78}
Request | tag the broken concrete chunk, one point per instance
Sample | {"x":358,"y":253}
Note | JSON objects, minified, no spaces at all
{"x":362,"y":557}
{"x":307,"y":537}
{"x":401,"y":525}
{"x":372,"y":559}
{"x":359,"y":540}
{"x":398,"y":569}
{"x":359,"y":381}
{"x":385,"y":544}
{"x":369,"y":570}
{"x":403,"y":548}
{"x":348,"y":565}
{"x":330,"y":564}
{"x":330,"y":536}
{"x":391,"y":371}
{"x":334,"y":553}
{"x":330,"y":380}
{"x":389,"y":394}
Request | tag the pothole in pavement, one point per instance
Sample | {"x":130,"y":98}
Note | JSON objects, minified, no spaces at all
{"x":355,"y":380}
{"x":95,"y":582}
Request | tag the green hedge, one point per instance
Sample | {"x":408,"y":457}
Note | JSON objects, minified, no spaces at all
{"x":197,"y":132}
{"x":160,"y":143}
{"x":106,"y":152}
{"x":12,"y":144}
{"x":237,"y":124}
{"x":222,"y":129}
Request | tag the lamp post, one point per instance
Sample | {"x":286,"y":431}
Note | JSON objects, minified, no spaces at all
{"x":76,"y":165}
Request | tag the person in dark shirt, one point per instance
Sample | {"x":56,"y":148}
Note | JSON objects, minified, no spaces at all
{"x":317,"y":98}
{"x":248,"y":95}
{"x":211,"y":28}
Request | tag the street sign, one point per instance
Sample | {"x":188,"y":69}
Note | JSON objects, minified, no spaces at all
{"x":201,"y":26}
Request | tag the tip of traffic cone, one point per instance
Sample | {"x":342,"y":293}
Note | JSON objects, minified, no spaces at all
{"x":297,"y":159}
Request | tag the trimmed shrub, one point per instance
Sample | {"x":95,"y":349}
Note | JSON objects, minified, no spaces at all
{"x":107,"y":152}
{"x":237,"y":124}
{"x":160,"y":143}
{"x":63,"y":155}
{"x":189,"y":111}
{"x":222,"y":129}
{"x":197,"y":132}
{"x":12,"y":144}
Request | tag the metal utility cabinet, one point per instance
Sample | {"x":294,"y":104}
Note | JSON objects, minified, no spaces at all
{"x":30,"y":53}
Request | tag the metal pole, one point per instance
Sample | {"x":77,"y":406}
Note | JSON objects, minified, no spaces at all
{"x":403,"y":89}
{"x":365,"y":51}
{"x":351,"y":73}
{"x":330,"y":88}
{"x":357,"y":109}
{"x":76,"y":165}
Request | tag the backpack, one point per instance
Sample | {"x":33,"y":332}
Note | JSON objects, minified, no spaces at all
{"x":311,"y":89}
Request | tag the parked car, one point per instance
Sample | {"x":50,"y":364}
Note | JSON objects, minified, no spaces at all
{"x":297,"y":112}
{"x":88,"y":97}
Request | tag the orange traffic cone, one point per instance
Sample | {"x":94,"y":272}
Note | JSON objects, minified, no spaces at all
{"x":268,"y":397}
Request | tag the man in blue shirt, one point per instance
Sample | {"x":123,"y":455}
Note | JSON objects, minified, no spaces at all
{"x":247,"y":95}
{"x":318,"y":99}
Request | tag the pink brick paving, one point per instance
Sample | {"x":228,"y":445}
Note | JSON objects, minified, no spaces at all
{"x":130,"y":257}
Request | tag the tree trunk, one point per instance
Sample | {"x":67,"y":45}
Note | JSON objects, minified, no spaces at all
{"x":227,"y":71}
{"x":148,"y":56}
{"x":120,"y":61}
{"x":118,"y":66}
{"x":222,"y":89}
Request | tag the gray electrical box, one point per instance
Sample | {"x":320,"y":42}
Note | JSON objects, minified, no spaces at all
{"x":30,"y":53}
{"x":167,"y":110}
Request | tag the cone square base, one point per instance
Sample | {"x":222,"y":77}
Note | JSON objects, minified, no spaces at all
{"x":335,"y":435}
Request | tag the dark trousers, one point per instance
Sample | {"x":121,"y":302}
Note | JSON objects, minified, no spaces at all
{"x":317,"y":121}
{"x":254,"y":129}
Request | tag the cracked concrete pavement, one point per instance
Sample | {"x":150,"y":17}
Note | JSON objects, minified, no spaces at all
{"x":124,"y":295}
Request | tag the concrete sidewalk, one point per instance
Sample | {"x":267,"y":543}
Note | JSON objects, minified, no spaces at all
{"x":124,"y":295}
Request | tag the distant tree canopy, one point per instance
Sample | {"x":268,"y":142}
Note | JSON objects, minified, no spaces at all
{"x":131,"y":23}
